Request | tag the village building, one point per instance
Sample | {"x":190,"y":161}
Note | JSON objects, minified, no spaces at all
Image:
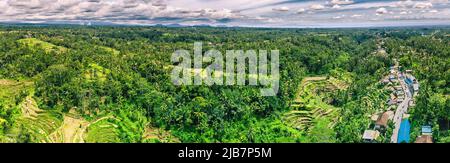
{"x":392,"y":78}
{"x":427,"y":130}
{"x":413,"y":84}
{"x":424,"y":139}
{"x":401,"y":76}
{"x":427,"y":135}
{"x":382,"y":121}
{"x":412,"y":78}
{"x":390,"y":114}
{"x":392,"y":71}
{"x":416,"y":88}
{"x":370,"y":136}
{"x":374,"y":117}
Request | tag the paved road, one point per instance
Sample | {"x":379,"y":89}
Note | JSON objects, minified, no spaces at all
{"x":401,"y":109}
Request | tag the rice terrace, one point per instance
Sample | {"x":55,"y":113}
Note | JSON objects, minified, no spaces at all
{"x":322,"y":71}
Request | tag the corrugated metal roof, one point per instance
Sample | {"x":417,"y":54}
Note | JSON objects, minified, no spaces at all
{"x":426,"y":129}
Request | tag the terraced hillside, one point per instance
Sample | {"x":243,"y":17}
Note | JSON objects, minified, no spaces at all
{"x":312,"y":102}
{"x":102,"y":131}
{"x":10,"y":89}
{"x":41,"y":126}
{"x":33,"y":124}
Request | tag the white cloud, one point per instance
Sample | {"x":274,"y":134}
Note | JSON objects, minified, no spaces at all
{"x":230,"y":12}
{"x":219,"y":14}
{"x":404,"y":3}
{"x":300,"y":11}
{"x":433,"y":11}
{"x":381,"y":11}
{"x":336,"y":6}
{"x":423,"y":5}
{"x":317,"y":7}
{"x":341,"y":2}
{"x":106,"y":10}
{"x":281,"y":9}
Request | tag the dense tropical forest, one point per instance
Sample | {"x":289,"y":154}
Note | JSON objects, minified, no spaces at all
{"x":63,"y":83}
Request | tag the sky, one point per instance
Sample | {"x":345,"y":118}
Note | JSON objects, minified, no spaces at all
{"x":246,"y":13}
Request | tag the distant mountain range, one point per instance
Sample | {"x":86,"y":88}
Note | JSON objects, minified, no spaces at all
{"x":176,"y":25}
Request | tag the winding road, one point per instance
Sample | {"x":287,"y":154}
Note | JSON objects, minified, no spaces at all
{"x":401,"y":109}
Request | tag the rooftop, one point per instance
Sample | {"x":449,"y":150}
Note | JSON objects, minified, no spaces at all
{"x":390,"y":114}
{"x":416,"y":87}
{"x":374,"y":117}
{"x":383,"y":119}
{"x":424,"y":139}
{"x":426,"y":130}
{"x":371,"y":135}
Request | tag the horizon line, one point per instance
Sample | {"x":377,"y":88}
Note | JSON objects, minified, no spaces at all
{"x":176,"y":25}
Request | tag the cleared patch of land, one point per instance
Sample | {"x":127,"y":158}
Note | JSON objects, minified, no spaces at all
{"x":72,"y":129}
{"x":33,"y":43}
{"x":109,"y":50}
